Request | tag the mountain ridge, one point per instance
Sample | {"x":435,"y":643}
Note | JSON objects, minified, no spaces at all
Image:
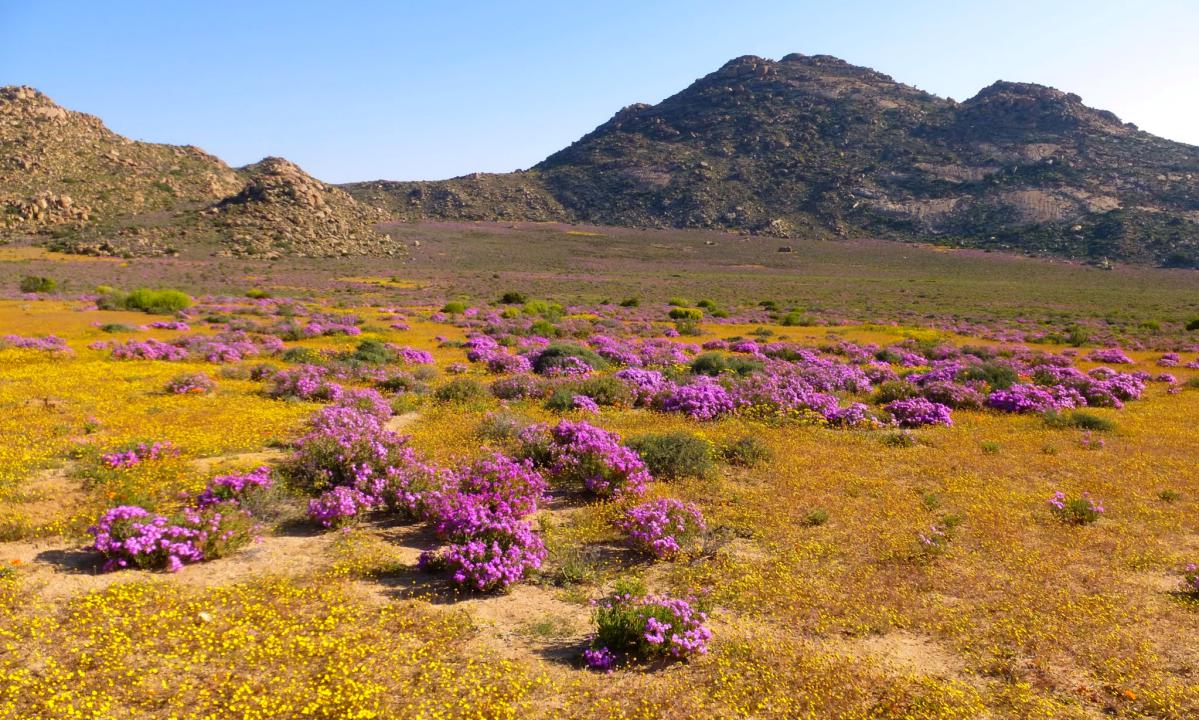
{"x":816,"y":145}
{"x":66,"y":178}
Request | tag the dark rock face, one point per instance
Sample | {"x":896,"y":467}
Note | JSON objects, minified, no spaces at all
{"x":814,"y":145}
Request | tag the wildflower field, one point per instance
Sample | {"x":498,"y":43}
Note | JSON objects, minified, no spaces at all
{"x":635,"y":482}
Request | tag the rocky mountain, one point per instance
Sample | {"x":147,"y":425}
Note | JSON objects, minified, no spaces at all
{"x":65,"y":177}
{"x":814,"y":145}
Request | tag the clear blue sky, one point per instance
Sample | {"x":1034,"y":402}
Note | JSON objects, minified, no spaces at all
{"x":358,"y":90}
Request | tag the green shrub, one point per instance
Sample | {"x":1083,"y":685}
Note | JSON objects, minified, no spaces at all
{"x":460,"y":390}
{"x":501,"y":426}
{"x":513,"y":298}
{"x":37,"y":284}
{"x":674,"y":455}
{"x":556,"y":354}
{"x":688,"y":328}
{"x":795,"y":318}
{"x":893,"y":390}
{"x":899,"y":438}
{"x":159,"y":302}
{"x":747,"y":451}
{"x":1079,"y":420}
{"x":373,"y":352}
{"x":1193,"y":324}
{"x":117,"y":328}
{"x":682,"y":313}
{"x":709,"y":363}
{"x":257,"y":294}
{"x":706,"y":304}
{"x":301,"y":355}
{"x":544,"y":328}
{"x":1192,"y":383}
{"x":454,"y":307}
{"x":998,"y":375}
{"x":990,"y":447}
{"x":816,"y":517}
{"x":678,"y":302}
{"x":630,"y":302}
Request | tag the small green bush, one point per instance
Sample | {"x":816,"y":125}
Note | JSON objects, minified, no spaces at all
{"x":816,"y":517}
{"x":795,"y":318}
{"x":630,"y":302}
{"x":502,"y":426}
{"x":893,"y":390}
{"x":301,"y":355}
{"x":454,"y":307}
{"x":688,"y":328}
{"x":556,"y":354}
{"x":373,"y":352}
{"x":683,"y":313}
{"x":747,"y":451}
{"x":1193,"y":324}
{"x":257,"y":294}
{"x":158,"y":302}
{"x":706,"y":304}
{"x":513,"y":298}
{"x":1079,"y":420}
{"x":117,"y":328}
{"x":37,"y":284}
{"x":674,"y":455}
{"x":997,"y":375}
{"x":460,"y":390}
{"x":678,"y":302}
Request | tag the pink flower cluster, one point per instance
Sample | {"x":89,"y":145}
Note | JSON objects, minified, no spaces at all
{"x":581,"y":453}
{"x":662,"y":528}
{"x":191,"y":384}
{"x":138,"y":454}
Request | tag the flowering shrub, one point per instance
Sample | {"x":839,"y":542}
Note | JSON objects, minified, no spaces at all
{"x":1082,"y":510}
{"x":648,"y":626}
{"x":918,"y":411}
{"x":704,"y":399}
{"x":1113,"y":356}
{"x":232,"y":488}
{"x":509,"y":488}
{"x":488,"y":553}
{"x":578,"y":452}
{"x":138,"y":454}
{"x":662,"y":528}
{"x":584,"y":404}
{"x":191,"y":384}
{"x":307,"y":382}
{"x":130,"y":536}
{"x":1190,"y":579}
{"x":1022,"y":398}
{"x":339,"y":506}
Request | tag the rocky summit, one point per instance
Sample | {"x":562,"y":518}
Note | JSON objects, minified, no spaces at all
{"x":282,"y":210}
{"x":812,"y":145}
{"x":66,"y":178}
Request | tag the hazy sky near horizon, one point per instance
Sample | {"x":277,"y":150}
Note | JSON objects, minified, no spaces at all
{"x":406,"y":90}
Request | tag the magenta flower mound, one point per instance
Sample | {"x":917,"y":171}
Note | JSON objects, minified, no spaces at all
{"x":601,"y":659}
{"x":412,"y":356}
{"x":129,"y":536}
{"x":489,"y":554}
{"x":49,"y":343}
{"x":644,"y":383}
{"x":339,"y":506}
{"x":918,"y":411}
{"x":1021,"y":398}
{"x":662,"y":528}
{"x":649,"y":626}
{"x":1113,"y":356}
{"x":704,"y":399}
{"x":585,"y":404}
{"x":231,"y":488}
{"x":509,"y":488}
{"x":307,"y":382}
{"x":138,"y":454}
{"x":578,"y":452}
{"x":191,"y":384}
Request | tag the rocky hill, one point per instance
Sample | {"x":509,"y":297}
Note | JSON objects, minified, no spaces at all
{"x":67,"y":178}
{"x":814,"y":145}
